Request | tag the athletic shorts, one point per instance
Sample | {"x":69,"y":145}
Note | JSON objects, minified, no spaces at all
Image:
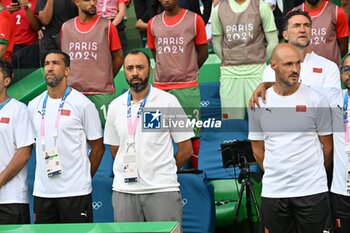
{"x":235,"y":94}
{"x":309,"y":214}
{"x":190,"y":101}
{"x":14,"y":214}
{"x":77,"y":209}
{"x":340,"y":213}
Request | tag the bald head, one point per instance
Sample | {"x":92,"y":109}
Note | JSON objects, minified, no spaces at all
{"x":285,"y":61}
{"x":282,"y":50}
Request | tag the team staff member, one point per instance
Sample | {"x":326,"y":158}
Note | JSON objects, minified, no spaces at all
{"x":7,"y":28}
{"x":178,"y":41}
{"x":292,"y":142}
{"x":330,"y":32}
{"x":16,"y":137}
{"x":65,"y":123}
{"x":145,"y":186}
{"x":316,"y":71}
{"x":340,"y":190}
{"x":92,"y":41}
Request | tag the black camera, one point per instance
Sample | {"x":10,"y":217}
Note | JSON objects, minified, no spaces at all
{"x":237,"y":154}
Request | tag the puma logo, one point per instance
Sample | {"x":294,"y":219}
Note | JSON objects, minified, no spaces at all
{"x":84,"y":214}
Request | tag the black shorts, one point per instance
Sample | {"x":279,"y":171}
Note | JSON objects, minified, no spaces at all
{"x":14,"y":214}
{"x":309,"y":214}
{"x":77,"y":209}
{"x":340,"y":213}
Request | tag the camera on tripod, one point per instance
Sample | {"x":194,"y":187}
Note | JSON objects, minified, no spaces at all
{"x":240,"y":154}
{"x":237,"y":154}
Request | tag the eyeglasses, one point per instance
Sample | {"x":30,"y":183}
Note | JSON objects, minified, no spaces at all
{"x":345,"y":69}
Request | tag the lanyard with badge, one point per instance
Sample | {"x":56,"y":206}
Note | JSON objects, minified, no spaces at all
{"x":52,"y":157}
{"x":4,"y":103}
{"x":347,"y":137}
{"x":129,"y":160}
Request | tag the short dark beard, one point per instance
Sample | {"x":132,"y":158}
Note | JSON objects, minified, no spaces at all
{"x":139,"y":86}
{"x":87,"y":12}
{"x":54,"y":82}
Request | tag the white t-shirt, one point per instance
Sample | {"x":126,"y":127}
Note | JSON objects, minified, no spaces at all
{"x":155,"y":153}
{"x":316,"y":72}
{"x":78,"y":123}
{"x":290,"y":126}
{"x":323,"y":76}
{"x":16,"y":131}
{"x":340,"y":160}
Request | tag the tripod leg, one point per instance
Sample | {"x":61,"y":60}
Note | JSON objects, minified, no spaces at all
{"x":256,"y":206}
{"x":239,"y":202}
{"x":249,"y":207}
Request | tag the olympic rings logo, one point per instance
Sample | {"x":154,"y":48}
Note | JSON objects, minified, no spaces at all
{"x":96,"y":205}
{"x":205,"y":103}
{"x":228,"y":141}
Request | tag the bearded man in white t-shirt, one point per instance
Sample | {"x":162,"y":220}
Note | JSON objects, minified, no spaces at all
{"x":340,"y":189}
{"x":16,"y":140}
{"x":145,"y":186}
{"x":65,"y":123}
{"x":292,"y":142}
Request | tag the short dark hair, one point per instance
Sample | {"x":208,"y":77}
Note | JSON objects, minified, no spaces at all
{"x":294,"y":13}
{"x":138,"y":51}
{"x":66,"y":58}
{"x":6,"y":68}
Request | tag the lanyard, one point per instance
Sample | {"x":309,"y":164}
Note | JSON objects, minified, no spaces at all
{"x":345,"y":117}
{"x":4,"y":103}
{"x":132,"y":127}
{"x":58,"y":116}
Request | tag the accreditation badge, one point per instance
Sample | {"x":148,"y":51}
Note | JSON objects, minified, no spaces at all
{"x":129,"y":163}
{"x":52,"y":162}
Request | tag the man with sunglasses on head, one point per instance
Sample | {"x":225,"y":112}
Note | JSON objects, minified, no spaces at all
{"x":16,"y":140}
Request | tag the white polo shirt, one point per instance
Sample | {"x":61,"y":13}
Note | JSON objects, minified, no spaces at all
{"x":78,"y":123}
{"x":316,"y":72}
{"x":16,"y":131}
{"x":154,"y":150}
{"x":289,"y":127}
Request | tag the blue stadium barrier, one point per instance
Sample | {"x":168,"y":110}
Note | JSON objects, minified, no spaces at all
{"x":210,"y":101}
{"x":198,"y":203}
{"x":102,"y":198}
